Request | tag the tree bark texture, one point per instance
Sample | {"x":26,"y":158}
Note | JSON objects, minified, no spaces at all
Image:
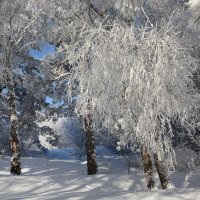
{"x":15,"y":160}
{"x":162,"y":172}
{"x":160,"y":167}
{"x":148,"y":168}
{"x":90,"y":147}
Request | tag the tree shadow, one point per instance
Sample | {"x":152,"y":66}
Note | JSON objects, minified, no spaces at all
{"x":60,"y":179}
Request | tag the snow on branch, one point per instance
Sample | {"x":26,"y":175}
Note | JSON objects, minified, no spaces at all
{"x":141,"y":76}
{"x":194,"y":6}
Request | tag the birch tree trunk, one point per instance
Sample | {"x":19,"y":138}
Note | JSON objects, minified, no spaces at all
{"x":15,"y":160}
{"x":160,"y":167}
{"x":148,"y":168}
{"x":90,"y":147}
{"x":162,"y":172}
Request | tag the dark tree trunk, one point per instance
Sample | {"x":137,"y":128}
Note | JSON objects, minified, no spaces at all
{"x":161,"y":169}
{"x":90,"y":147}
{"x":15,"y":160}
{"x":148,"y":168}
{"x":162,"y":172}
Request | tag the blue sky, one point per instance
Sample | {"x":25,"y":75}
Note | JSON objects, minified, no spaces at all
{"x":45,"y":49}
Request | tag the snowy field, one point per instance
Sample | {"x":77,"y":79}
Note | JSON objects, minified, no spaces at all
{"x":51,"y":178}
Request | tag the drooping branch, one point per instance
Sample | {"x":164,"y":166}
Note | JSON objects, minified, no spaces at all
{"x":89,"y":3}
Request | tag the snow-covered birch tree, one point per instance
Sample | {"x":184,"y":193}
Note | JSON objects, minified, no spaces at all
{"x":17,"y":19}
{"x":139,"y":78}
{"x":68,"y":18}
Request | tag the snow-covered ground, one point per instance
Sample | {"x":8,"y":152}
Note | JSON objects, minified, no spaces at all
{"x":66,"y":179}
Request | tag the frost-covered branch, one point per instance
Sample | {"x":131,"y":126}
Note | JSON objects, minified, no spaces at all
{"x":194,"y":6}
{"x":141,"y":77}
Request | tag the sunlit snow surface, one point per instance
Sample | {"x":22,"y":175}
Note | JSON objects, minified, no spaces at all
{"x":66,"y":178}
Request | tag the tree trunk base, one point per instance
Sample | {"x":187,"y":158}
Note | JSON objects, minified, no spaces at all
{"x":90,"y":148}
{"x":92,"y":168}
{"x":15,"y":167}
{"x":148,"y":168}
{"x":162,"y":172}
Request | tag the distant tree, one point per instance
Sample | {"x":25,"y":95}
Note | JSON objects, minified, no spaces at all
{"x":70,"y":133}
